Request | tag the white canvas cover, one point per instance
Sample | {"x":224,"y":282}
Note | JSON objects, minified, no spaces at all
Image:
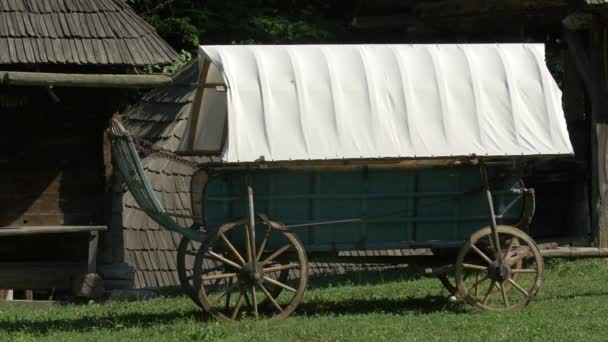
{"x":324,"y":102}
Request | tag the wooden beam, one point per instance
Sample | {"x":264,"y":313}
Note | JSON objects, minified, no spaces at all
{"x":39,"y":275}
{"x":92,"y":255}
{"x":575,"y":252}
{"x":591,"y":66}
{"x":197,"y":105}
{"x":17,"y":78}
{"x":599,"y":133}
{"x":579,"y":55}
{"x":211,"y":85}
{"x":37,"y":230}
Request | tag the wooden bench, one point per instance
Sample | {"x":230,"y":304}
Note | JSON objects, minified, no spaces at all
{"x":52,"y":274}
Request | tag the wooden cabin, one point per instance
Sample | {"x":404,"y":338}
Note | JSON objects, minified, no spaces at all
{"x":64,"y":67}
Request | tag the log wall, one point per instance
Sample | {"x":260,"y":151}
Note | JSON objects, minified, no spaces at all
{"x":52,"y":168}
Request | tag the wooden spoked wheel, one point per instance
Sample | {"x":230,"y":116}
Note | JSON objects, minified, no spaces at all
{"x":186,"y":253}
{"x":449,"y":280}
{"x":270,"y":283}
{"x":490,"y":283}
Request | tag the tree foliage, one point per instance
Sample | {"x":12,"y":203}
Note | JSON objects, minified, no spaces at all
{"x":187,"y":23}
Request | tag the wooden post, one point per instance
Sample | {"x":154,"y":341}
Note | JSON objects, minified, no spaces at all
{"x":599,"y":132}
{"x":197,"y":104}
{"x":591,"y":66}
{"x":92,"y":257}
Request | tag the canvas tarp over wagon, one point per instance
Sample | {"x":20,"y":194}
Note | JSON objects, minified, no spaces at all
{"x":360,"y":148}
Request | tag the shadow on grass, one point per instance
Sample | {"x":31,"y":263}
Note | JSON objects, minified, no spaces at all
{"x":326,"y":280}
{"x":112,"y":321}
{"x":363,"y":277}
{"x":411,"y":305}
{"x":104,"y":322}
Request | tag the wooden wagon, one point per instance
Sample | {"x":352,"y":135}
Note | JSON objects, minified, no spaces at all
{"x":353,"y":149}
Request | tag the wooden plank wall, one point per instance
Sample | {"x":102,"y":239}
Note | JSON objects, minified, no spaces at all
{"x":52,"y":169}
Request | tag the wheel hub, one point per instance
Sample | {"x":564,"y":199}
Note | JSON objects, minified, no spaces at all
{"x":251,"y":274}
{"x":498,"y":272}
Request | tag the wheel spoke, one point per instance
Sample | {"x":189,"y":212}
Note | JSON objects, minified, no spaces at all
{"x":517,"y":286}
{"x":227,"y":304}
{"x":270,"y":298}
{"x":222,"y":294}
{"x":224,"y":260}
{"x":239,"y":302}
{"x":523,"y":270}
{"x":481,"y":254}
{"x":261,"y":248}
{"x":192,"y":253}
{"x":487,"y":296}
{"x":245,"y":293}
{"x":248,"y":243}
{"x":281,"y":268}
{"x":276,"y":254}
{"x":232,"y":249}
{"x":503,"y":291}
{"x":279,"y":284}
{"x":509,"y":247}
{"x":474,"y":267}
{"x":519,"y":255}
{"x":218,"y":276}
{"x":476,"y":284}
{"x":254,"y":301}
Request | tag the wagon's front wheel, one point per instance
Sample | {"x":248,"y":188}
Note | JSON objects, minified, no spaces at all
{"x":499,"y":284}
{"x":233,"y":283}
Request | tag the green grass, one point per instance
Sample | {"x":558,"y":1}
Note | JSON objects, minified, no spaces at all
{"x":573,"y":306}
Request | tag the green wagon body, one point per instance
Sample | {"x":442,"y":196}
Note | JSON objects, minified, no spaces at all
{"x":428,"y":207}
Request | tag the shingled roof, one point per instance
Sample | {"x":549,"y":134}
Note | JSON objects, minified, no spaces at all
{"x":89,"y":32}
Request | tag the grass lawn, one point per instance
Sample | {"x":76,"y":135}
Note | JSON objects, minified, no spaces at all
{"x":572,"y":306}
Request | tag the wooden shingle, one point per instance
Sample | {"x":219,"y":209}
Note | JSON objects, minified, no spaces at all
{"x":107,"y":32}
{"x":160,"y":117}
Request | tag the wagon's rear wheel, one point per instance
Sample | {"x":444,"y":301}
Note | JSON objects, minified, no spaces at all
{"x":268,"y":284}
{"x":488,"y":284}
{"x":186,"y":253}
